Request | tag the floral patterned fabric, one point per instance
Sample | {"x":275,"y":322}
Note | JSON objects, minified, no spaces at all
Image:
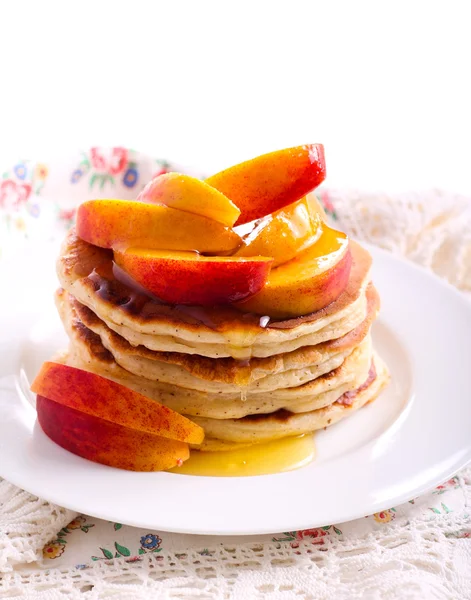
{"x":86,"y":540}
{"x":38,"y":200}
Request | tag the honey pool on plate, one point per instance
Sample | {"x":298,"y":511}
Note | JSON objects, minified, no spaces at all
{"x":276,"y":456}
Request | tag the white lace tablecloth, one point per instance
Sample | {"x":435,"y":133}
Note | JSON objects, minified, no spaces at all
{"x":418,"y":550}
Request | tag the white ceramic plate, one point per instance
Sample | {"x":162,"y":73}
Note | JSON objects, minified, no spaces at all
{"x":415,"y":435}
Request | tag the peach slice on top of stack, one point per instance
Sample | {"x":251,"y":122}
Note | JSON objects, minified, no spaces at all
{"x":269,"y":182}
{"x":181,"y":241}
{"x":189,"y":278}
{"x":188,"y":268}
{"x":125,"y":223}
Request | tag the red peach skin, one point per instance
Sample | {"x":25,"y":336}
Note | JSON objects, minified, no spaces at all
{"x":108,"y":443}
{"x":269,"y":182}
{"x":188,"y":278}
{"x":100,"y":397}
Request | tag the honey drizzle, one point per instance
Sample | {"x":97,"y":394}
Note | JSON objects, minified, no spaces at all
{"x":276,"y":456}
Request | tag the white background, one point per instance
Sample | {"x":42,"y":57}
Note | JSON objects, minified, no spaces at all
{"x":384,"y":85}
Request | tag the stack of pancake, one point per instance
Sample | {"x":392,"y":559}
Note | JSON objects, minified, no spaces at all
{"x":244,"y":378}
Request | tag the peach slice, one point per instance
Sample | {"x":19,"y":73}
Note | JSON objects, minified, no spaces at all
{"x":285,"y":233}
{"x":108,"y":443}
{"x":188,"y":278}
{"x":126,"y":223}
{"x":316,"y":205}
{"x":99,"y":397}
{"x":269,"y":182}
{"x":190,"y":194}
{"x":309,"y":282}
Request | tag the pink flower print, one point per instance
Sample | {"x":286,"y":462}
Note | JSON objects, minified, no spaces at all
{"x":12,"y":194}
{"x":316,"y":534}
{"x":97,"y":159}
{"x":118,"y":161}
{"x":326,"y":201}
{"x":164,"y":167}
{"x":7,"y":189}
{"x":67,"y":214}
{"x":452,"y":483}
{"x":113,"y":162}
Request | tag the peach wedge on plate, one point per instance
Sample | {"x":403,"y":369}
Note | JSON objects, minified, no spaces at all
{"x":106,"y":399}
{"x":106,"y":442}
{"x":109,"y":423}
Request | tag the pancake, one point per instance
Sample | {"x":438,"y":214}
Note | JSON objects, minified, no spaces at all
{"x":312,"y":395}
{"x":241,"y":378}
{"x":264,"y":428}
{"x":281,"y":422}
{"x":87,"y":351}
{"x":88,"y":273}
{"x":226,"y":374}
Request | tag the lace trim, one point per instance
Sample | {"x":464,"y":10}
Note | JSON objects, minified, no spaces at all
{"x":432,"y":229}
{"x":26,"y":524}
{"x":419,"y":558}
